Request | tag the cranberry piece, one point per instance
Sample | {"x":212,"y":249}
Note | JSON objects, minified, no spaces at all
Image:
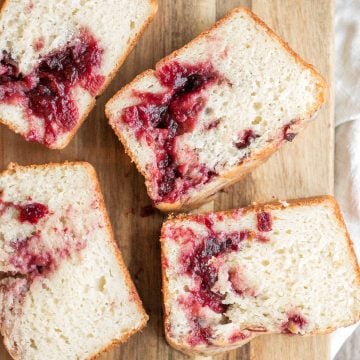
{"x":294,"y":323}
{"x":206,"y":297}
{"x":9,"y":70}
{"x":31,"y":256}
{"x":208,"y":222}
{"x":197,"y":264}
{"x":264,"y":222}
{"x":160,"y":118}
{"x":38,"y":44}
{"x":288,"y":136}
{"x":39,"y":264}
{"x":214,"y":124}
{"x":298,"y":320}
{"x":28,"y":260}
{"x":200,"y":334}
{"x":184,"y":236}
{"x":238,"y":336}
{"x":46,"y":91}
{"x":185,"y":77}
{"x":246,"y":137}
{"x":32,"y":213}
{"x":262,"y":238}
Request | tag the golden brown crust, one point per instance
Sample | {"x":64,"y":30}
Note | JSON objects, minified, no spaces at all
{"x":353,"y":257}
{"x":120,"y":61}
{"x":274,"y":205}
{"x":234,"y":175}
{"x":109,"y":78}
{"x":13,"y":168}
{"x":207,"y":352}
{"x":321,"y":82}
{"x":9,"y":350}
{"x":122,"y":265}
{"x":122,"y":139}
{"x":178,"y":346}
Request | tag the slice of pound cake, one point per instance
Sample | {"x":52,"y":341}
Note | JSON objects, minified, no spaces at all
{"x":56,"y":57}
{"x":213,"y":110}
{"x":65,"y":292}
{"x":284,"y":268}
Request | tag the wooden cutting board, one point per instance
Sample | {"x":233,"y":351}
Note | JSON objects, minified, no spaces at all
{"x":301,"y":168}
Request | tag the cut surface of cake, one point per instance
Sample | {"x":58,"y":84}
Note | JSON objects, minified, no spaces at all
{"x":213,"y":110}
{"x":65,"y":292}
{"x":56,"y":57}
{"x":285,"y":268}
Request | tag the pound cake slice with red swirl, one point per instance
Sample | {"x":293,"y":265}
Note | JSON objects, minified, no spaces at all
{"x":286,"y":268}
{"x":56,"y":57}
{"x":65,"y":292}
{"x":214,"y":110}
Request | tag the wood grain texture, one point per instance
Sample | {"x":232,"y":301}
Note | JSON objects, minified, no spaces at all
{"x":302,"y":168}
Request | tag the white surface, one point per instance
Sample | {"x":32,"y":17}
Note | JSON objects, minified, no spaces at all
{"x":347,"y":111}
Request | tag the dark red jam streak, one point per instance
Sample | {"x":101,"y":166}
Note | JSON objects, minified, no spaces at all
{"x":245,"y":139}
{"x":294,"y":320}
{"x":29,"y":255}
{"x":212,"y":125}
{"x":25,"y":260}
{"x":288,"y":136}
{"x":264,"y":222}
{"x":200,"y":334}
{"x":31,"y":258}
{"x":158,"y":119}
{"x":28,"y":260}
{"x":31,"y":212}
{"x":46,"y":91}
{"x":195,"y":262}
